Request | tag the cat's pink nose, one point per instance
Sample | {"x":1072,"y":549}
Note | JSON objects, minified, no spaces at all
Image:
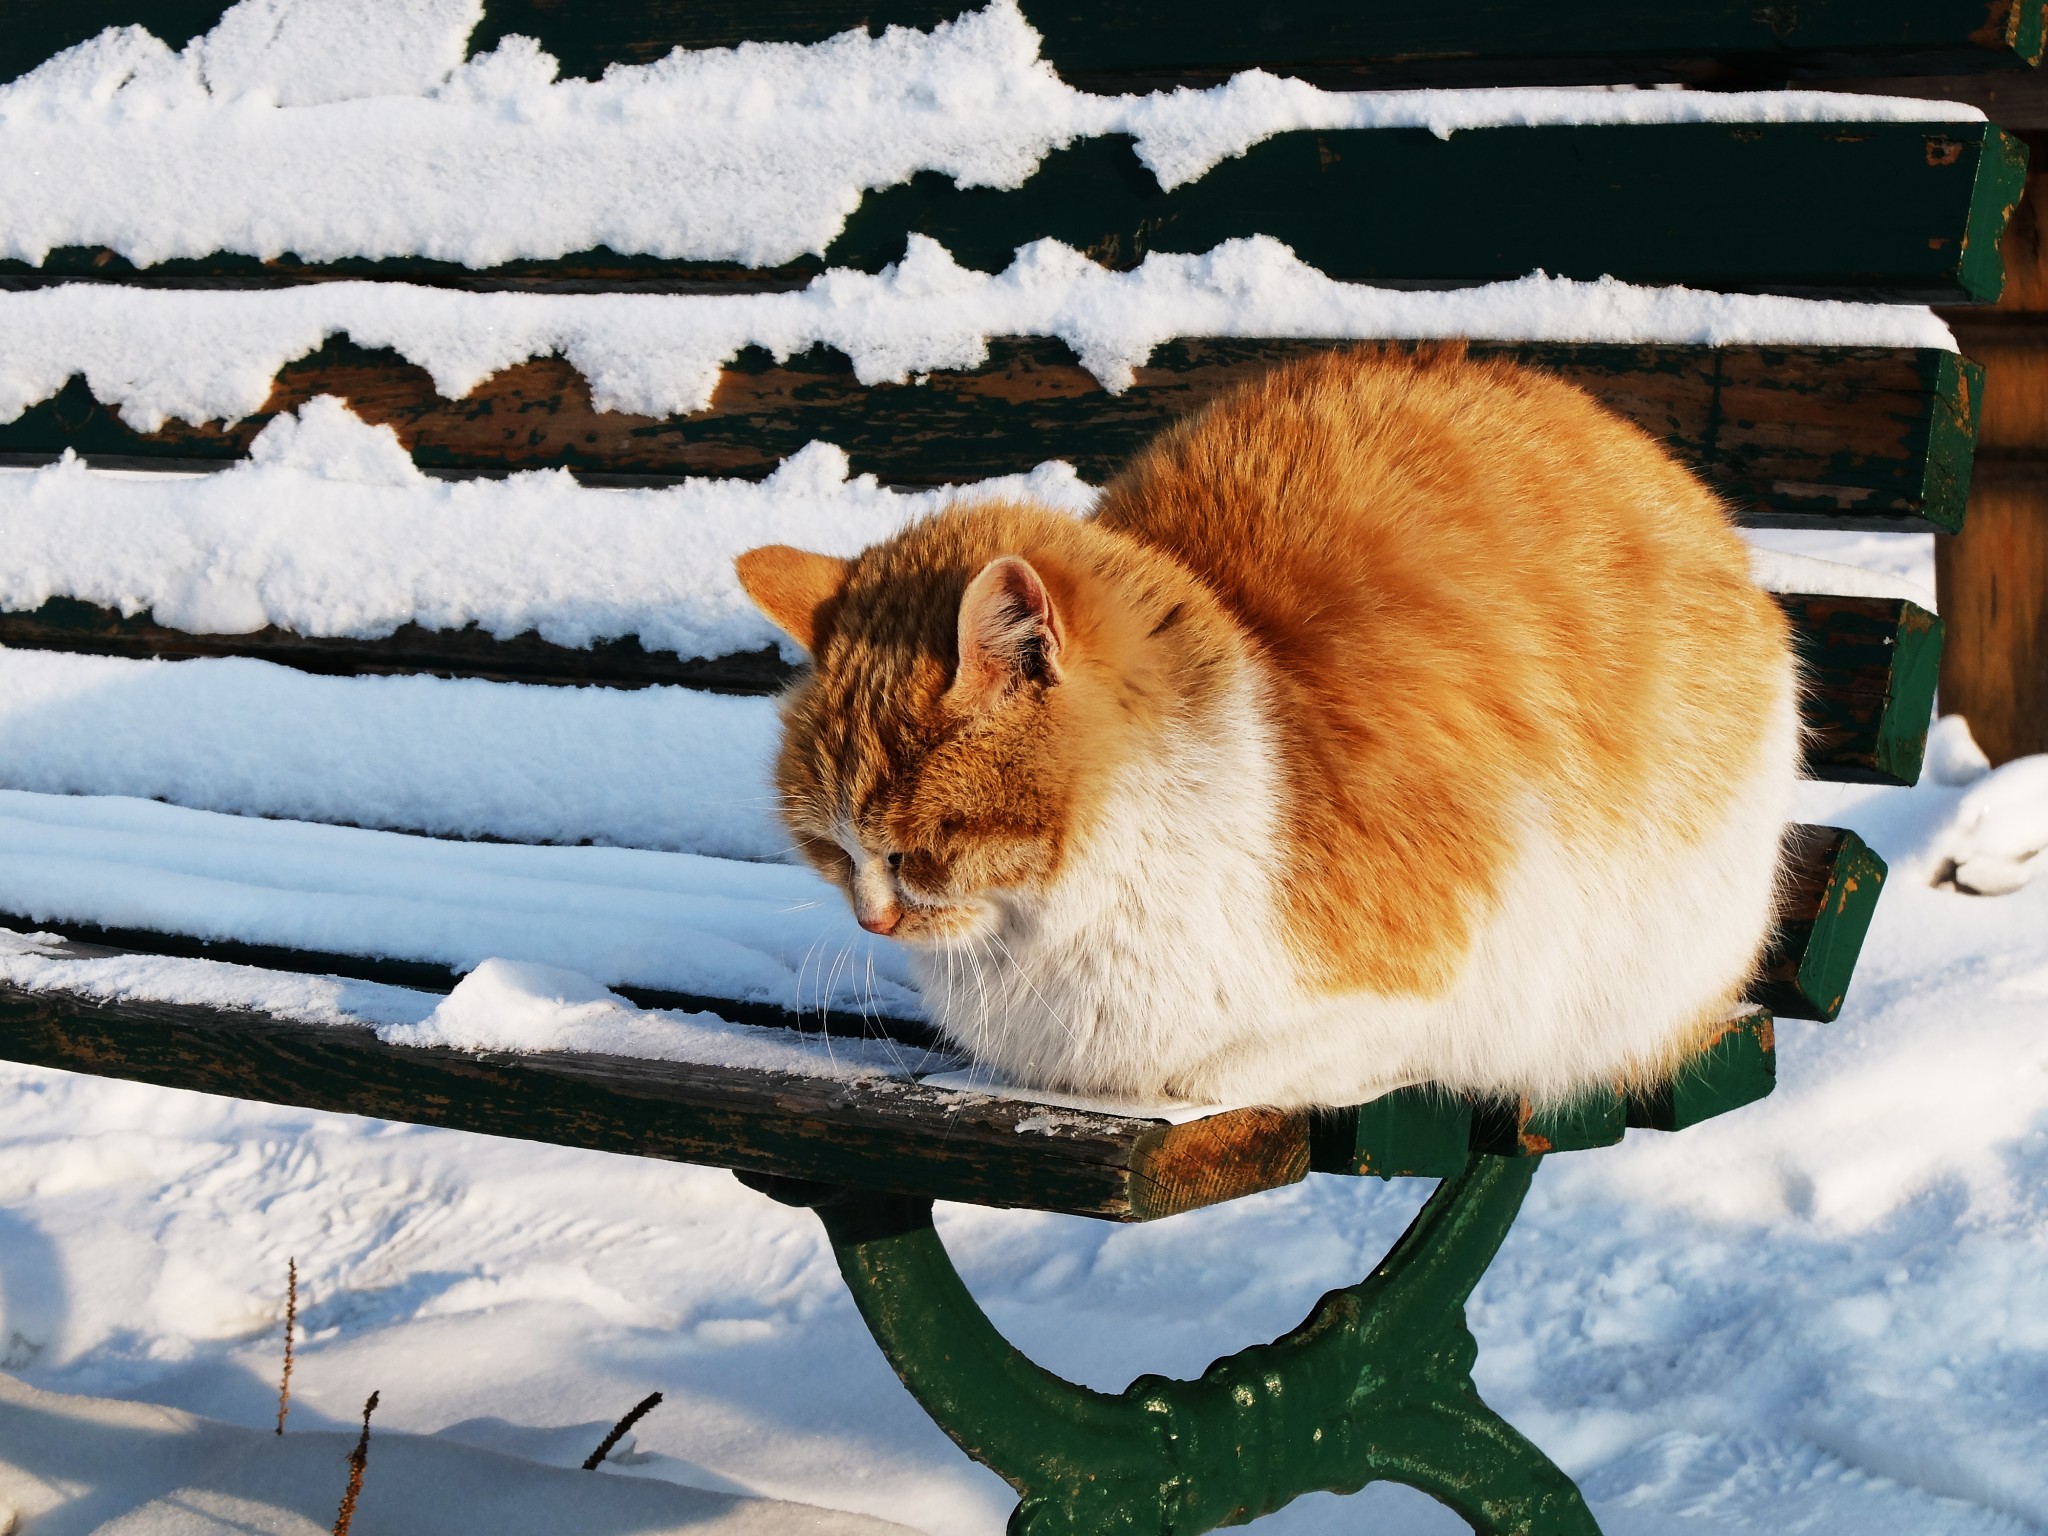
{"x":883,"y":922}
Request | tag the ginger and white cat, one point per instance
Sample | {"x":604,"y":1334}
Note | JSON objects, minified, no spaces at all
{"x":1395,"y":719}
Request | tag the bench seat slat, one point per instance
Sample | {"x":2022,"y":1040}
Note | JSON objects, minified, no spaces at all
{"x":1794,"y":436}
{"x":881,"y":1133}
{"x":1829,"y":883}
{"x":1870,"y":666}
{"x":886,"y":1134}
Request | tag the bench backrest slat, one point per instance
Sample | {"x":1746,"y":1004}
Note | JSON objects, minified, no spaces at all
{"x":1711,"y":42}
{"x":1793,"y":436}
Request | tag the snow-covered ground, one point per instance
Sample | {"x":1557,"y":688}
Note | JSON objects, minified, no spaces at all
{"x":1824,"y":1313}
{"x":1827,"y":1312}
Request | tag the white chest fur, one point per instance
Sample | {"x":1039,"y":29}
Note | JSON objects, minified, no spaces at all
{"x":1158,"y":947}
{"x":1157,"y":965}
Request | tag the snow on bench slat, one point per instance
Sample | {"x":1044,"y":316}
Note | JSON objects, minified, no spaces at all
{"x":503,"y":1005}
{"x":756,"y":933}
{"x":280,"y":541}
{"x":520,"y":1006}
{"x":1784,"y":570}
{"x":202,"y":355}
{"x":329,"y":530}
{"x":661,"y":768}
{"x":359,"y":133}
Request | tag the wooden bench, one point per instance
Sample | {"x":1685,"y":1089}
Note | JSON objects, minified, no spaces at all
{"x":1376,"y":1384}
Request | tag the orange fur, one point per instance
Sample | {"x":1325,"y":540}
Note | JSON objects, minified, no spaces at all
{"x":1473,"y":582}
{"x":984,"y":794}
{"x":1458,"y":588}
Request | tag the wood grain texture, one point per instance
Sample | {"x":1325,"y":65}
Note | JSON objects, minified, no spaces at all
{"x":891,"y":1135}
{"x":1478,"y":42}
{"x":904,"y":1137}
{"x":1794,"y":437}
{"x":881,"y":1134}
{"x":1992,"y":584}
{"x":2015,"y":99}
{"x":1992,"y":578}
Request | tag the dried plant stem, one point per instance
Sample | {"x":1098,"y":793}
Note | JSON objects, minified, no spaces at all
{"x":291,"y":1318}
{"x":619,"y":1429}
{"x":358,"y":1459}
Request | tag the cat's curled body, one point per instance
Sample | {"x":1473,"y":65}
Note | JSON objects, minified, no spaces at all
{"x":1395,"y":719}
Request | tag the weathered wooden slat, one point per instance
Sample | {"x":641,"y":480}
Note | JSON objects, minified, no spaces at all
{"x":1722,"y":43}
{"x":2015,"y":99}
{"x":1994,"y":584}
{"x":1870,"y":666}
{"x":1873,"y":210}
{"x":595,"y":271}
{"x":431,"y":976}
{"x":1993,"y":578}
{"x":1795,"y":437}
{"x":1485,"y":42}
{"x":1908,"y":211}
{"x":1829,"y":883}
{"x":919,"y":1140}
{"x":1829,"y":880}
{"x":878,"y":1134}
{"x":64,"y":624}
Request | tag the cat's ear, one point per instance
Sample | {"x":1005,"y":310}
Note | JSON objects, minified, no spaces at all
{"x":791,"y":585}
{"x":1009,"y":632}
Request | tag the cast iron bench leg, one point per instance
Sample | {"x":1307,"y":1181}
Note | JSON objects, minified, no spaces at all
{"x":1375,"y":1384}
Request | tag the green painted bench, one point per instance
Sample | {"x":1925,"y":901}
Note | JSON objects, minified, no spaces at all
{"x":1376,"y":1383}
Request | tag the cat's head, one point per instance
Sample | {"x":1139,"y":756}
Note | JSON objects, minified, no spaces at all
{"x":975,"y":682}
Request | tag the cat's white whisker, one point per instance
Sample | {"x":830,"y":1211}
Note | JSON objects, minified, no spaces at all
{"x":1043,"y":1001}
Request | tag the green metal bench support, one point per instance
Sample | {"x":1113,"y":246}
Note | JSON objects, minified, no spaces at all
{"x":1375,"y":1386}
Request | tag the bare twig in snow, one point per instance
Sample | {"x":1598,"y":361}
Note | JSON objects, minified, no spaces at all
{"x":291,"y":1318}
{"x":619,"y":1429}
{"x":358,"y":1459}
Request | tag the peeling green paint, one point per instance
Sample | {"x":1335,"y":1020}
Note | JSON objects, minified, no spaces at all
{"x":1376,"y":1385}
